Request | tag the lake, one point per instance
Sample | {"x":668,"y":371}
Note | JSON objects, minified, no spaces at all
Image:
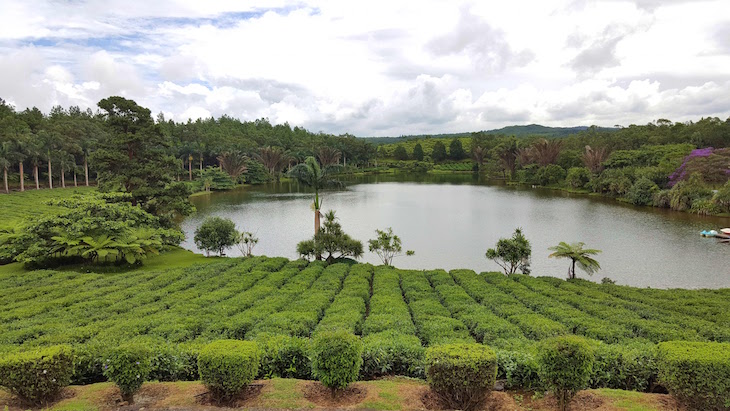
{"x":450,"y":221}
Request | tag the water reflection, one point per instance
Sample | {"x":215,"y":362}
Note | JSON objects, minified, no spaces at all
{"x":450,"y":221}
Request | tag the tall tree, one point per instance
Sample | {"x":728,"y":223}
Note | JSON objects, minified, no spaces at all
{"x":479,"y":154}
{"x":135,"y":157}
{"x":328,"y":156}
{"x":311,"y":174}
{"x":439,"y":152}
{"x":418,"y":152}
{"x":233,"y":163}
{"x":577,"y":255}
{"x":6,"y":159}
{"x":456,"y":150}
{"x":274,"y":159}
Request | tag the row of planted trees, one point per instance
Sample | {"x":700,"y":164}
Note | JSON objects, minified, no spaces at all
{"x":44,"y":150}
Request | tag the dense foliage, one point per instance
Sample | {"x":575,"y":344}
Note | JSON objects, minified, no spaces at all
{"x":566,"y":364}
{"x":331,"y":242}
{"x":216,"y":234}
{"x":462,"y":375}
{"x":336,"y":358}
{"x":698,"y":374}
{"x":37,"y":376}
{"x":228,"y":366}
{"x":128,"y":366}
{"x":512,"y":254}
{"x":93,"y":228}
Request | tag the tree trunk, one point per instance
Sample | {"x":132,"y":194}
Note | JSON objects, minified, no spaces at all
{"x":5,"y":178}
{"x":35,"y":175}
{"x":22,"y":177}
{"x":50,"y":176}
{"x":63,"y":176}
{"x":76,"y":184}
{"x":316,"y":228}
{"x":190,"y":167}
{"x":572,"y":270}
{"x":86,"y":170}
{"x":201,"y":164}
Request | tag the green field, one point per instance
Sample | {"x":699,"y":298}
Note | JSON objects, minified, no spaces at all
{"x":259,"y":297}
{"x":19,"y":205}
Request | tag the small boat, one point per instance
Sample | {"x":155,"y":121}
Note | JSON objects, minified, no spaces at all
{"x":710,"y":233}
{"x":725,"y":231}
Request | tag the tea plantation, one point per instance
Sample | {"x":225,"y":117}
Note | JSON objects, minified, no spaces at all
{"x":281,"y":304}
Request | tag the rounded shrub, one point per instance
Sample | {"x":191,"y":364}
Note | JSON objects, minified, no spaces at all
{"x":227,"y":366}
{"x":37,"y":377}
{"x":128,"y":366}
{"x":566,"y":364}
{"x":696,"y":373}
{"x":462,"y":375}
{"x":336,"y":358}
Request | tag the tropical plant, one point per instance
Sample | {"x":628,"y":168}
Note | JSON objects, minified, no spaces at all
{"x":274,"y":159}
{"x":328,"y":156}
{"x":593,"y":158}
{"x":512,"y":254}
{"x":246,"y":241}
{"x":312,"y":175}
{"x":216,"y":234}
{"x":233,"y":163}
{"x":479,"y":154}
{"x":387,"y":246}
{"x":577,"y":255}
{"x":6,"y":159}
{"x":330,"y":240}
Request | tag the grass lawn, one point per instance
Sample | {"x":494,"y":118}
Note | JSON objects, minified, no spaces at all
{"x":386,"y":395}
{"x":18,"y":205}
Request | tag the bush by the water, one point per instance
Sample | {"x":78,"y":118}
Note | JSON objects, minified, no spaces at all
{"x":227,"y":366}
{"x":37,"y":377}
{"x":566,"y":363}
{"x":128,"y":366}
{"x":696,"y":373}
{"x":336,"y":358}
{"x":462,"y":375}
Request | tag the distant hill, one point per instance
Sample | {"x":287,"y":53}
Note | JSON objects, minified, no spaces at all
{"x":517,"y":131}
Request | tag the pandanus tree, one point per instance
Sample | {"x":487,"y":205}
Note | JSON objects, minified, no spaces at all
{"x":328,"y":156}
{"x":312,"y":175}
{"x":479,"y":154}
{"x":233,"y":163}
{"x":577,"y":255}
{"x":274,"y":159}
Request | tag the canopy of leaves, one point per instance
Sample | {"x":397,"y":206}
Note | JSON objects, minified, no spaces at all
{"x":331,"y":241}
{"x":512,"y":254}
{"x":216,"y":234}
{"x":92,"y":228}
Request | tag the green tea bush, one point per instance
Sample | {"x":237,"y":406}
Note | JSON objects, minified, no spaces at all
{"x":630,"y":366}
{"x":392,"y":353}
{"x":89,"y":362}
{"x":696,"y":373}
{"x":128,"y":366}
{"x":169,"y":363}
{"x":37,"y":377}
{"x":518,"y":368}
{"x":227,"y":366}
{"x":462,"y":375}
{"x":336,"y":358}
{"x":283,"y":356}
{"x":566,"y":364}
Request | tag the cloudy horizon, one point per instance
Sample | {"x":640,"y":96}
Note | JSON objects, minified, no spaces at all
{"x":376,"y":68}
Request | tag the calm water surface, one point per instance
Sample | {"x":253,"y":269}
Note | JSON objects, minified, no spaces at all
{"x":450,"y":221}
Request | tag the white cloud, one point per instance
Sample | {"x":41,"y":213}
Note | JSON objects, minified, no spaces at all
{"x":375,"y":68}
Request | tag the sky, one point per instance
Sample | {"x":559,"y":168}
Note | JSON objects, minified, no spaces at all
{"x":375,"y":68}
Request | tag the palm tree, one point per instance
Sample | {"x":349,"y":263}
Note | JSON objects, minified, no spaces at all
{"x":6,"y":154}
{"x":233,"y":163}
{"x":578,"y":255}
{"x":545,"y":152}
{"x":593,"y":158}
{"x":311,"y":174}
{"x":274,"y":159}
{"x":328,"y":156}
{"x":479,"y":154}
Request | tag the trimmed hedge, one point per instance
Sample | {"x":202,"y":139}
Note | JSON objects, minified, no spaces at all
{"x":566,"y":364}
{"x":226,"y":367}
{"x":629,"y":366}
{"x":696,"y":373}
{"x":336,"y":358}
{"x":37,"y":377}
{"x":462,"y":375}
{"x":128,"y":366}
